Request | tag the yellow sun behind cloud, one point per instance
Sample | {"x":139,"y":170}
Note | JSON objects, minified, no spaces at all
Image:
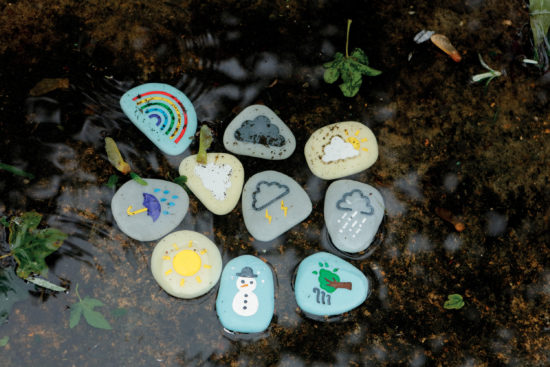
{"x":355,"y":141}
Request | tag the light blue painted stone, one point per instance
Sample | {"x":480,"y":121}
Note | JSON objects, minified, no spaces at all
{"x":353,"y":213}
{"x":147,"y":213}
{"x":246,"y":299}
{"x":313,"y":290}
{"x":163,"y":113}
{"x":272,"y":203}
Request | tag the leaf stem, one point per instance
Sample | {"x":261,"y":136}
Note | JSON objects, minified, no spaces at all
{"x":347,"y":37}
{"x":76,"y":292}
{"x":5,"y":255}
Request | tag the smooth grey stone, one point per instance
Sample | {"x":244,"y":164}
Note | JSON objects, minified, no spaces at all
{"x":353,"y":213}
{"x":272,"y":203}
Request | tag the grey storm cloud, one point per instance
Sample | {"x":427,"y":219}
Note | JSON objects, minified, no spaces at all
{"x":267,"y":193}
{"x":355,"y":201}
{"x":260,"y":131}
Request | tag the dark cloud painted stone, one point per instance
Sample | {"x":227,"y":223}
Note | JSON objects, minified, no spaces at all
{"x":260,"y":131}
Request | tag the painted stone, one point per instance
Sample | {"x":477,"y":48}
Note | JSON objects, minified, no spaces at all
{"x":353,"y":213}
{"x":186,"y":264}
{"x":163,"y":113}
{"x":218,"y":183}
{"x":258,"y":132}
{"x":272,"y":203}
{"x":246,"y":299}
{"x":147,"y":213}
{"x":327,"y":285}
{"x":340,"y":150}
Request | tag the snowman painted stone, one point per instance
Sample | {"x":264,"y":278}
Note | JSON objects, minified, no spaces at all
{"x":245,"y":300}
{"x":147,"y":213}
{"x":272,"y":203}
{"x":163,"y":113}
{"x":341,"y":149}
{"x":258,"y":132}
{"x":186,"y":264}
{"x":353,"y":213}
{"x":327,"y":285}
{"x":218,"y":183}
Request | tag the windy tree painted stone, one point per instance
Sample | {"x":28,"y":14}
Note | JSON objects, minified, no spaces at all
{"x":340,"y":150}
{"x":186,"y":264}
{"x":272,"y":203}
{"x":148,"y":212}
{"x":327,"y":285}
{"x":217,"y":183}
{"x":245,"y":300}
{"x":258,"y":132}
{"x":163,"y":113}
{"x":353,"y":212}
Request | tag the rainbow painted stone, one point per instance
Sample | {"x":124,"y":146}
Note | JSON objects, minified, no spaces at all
{"x":246,"y":302}
{"x":327,"y":285}
{"x":147,"y":213}
{"x":163,"y":113}
{"x":186,"y":264}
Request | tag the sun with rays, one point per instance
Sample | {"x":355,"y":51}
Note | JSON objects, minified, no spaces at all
{"x":185,"y":264}
{"x":355,"y":140}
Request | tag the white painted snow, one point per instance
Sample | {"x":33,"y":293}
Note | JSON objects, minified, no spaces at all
{"x":338,"y":149}
{"x":215,"y":177}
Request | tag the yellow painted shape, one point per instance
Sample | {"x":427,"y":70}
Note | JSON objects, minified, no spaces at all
{"x":168,"y":272}
{"x":186,"y":263}
{"x":175,"y":246}
{"x":207,"y":266}
{"x":203,"y":251}
{"x":130,"y":212}
{"x":148,"y":99}
{"x":357,"y":133}
{"x":190,"y":243}
{"x":365,"y":149}
{"x":355,"y":142}
{"x":283,"y":207}
{"x":364,"y":140}
{"x":182,"y":282}
{"x":268,"y":216}
{"x":166,"y":257}
{"x":198,"y":279}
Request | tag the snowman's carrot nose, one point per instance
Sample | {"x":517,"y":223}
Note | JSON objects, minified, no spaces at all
{"x":244,"y":285}
{"x":130,"y":212}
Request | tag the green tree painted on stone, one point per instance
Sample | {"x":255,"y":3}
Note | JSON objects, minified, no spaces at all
{"x":329,"y":280}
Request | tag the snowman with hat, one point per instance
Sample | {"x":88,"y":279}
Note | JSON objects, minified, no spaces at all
{"x":245,"y":302}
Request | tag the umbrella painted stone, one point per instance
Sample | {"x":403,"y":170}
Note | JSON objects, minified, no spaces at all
{"x":353,"y":213}
{"x":186,"y":264}
{"x":246,"y":302}
{"x":163,"y":113}
{"x":272,"y":203}
{"x":327,"y":285}
{"x":340,"y":150}
{"x":218,"y":183}
{"x":147,"y":213}
{"x":258,"y":132}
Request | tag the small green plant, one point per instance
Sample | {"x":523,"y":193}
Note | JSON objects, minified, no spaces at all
{"x":539,"y":11}
{"x":86,"y":307}
{"x":454,"y":301}
{"x":4,"y":341}
{"x":205,"y":140}
{"x":350,"y":68}
{"x":490,"y":75}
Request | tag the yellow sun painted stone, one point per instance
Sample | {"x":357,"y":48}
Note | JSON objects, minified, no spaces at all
{"x":341,"y":149}
{"x":186,"y":264}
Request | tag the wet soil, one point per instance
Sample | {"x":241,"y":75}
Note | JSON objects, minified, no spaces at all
{"x":450,"y":152}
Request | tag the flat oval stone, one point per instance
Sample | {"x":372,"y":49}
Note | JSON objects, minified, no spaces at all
{"x":353,"y":213}
{"x":272,"y":203}
{"x":186,"y":264}
{"x":246,"y":299}
{"x":327,"y":285}
{"x":341,"y":149}
{"x":258,"y":132}
{"x":218,"y":183}
{"x":163,"y":113}
{"x":147,"y":213}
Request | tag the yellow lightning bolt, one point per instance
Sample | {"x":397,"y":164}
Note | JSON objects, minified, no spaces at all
{"x":268,"y":216}
{"x":283,"y":207}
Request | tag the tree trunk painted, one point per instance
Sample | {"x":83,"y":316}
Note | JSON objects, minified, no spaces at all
{"x":333,"y":284}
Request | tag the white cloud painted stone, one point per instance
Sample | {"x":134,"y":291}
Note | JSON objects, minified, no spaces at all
{"x":218,"y":183}
{"x":147,"y":213}
{"x":272,"y":203}
{"x":341,"y":149}
{"x":258,"y":132}
{"x":353,"y":213}
{"x":186,"y":264}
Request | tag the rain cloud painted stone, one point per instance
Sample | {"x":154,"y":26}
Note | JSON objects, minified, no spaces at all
{"x":327,"y":285}
{"x":272,"y":203}
{"x":340,"y":150}
{"x":258,"y":132}
{"x":186,"y":264}
{"x":246,"y":299}
{"x":147,"y":213}
{"x":163,"y":113}
{"x":218,"y":183}
{"x":353,"y":213}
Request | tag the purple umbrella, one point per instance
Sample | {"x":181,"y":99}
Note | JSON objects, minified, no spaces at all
{"x":153,"y":206}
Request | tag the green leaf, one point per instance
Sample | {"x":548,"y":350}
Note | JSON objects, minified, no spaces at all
{"x":367,"y":70}
{"x":16,"y":171}
{"x":331,"y":75}
{"x":76,"y":312}
{"x":91,"y":302}
{"x":454,"y":301}
{"x":113,"y":179}
{"x":205,"y":141}
{"x":45,"y":284}
{"x":95,"y":319}
{"x":349,"y":89}
{"x":12,"y":290}
{"x":4,"y":341}
{"x":338,"y":58}
{"x":30,"y":246}
{"x":360,"y":56}
{"x":325,"y":276}
{"x":138,"y":179}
